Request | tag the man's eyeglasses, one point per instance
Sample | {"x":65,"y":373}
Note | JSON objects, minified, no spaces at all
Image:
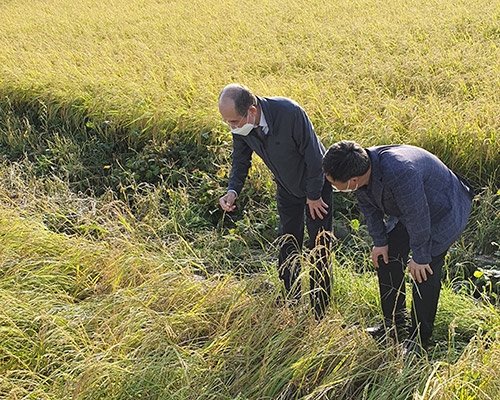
{"x":233,"y":125}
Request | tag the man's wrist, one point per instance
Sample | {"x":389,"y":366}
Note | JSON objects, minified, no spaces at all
{"x":234,"y":192}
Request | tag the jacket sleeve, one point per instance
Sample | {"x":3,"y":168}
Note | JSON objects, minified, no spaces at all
{"x":241,"y":161}
{"x":312,"y":150}
{"x":374,"y":220}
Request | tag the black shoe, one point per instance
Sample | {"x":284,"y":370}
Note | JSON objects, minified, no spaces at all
{"x":387,"y":331}
{"x":379,"y":332}
{"x":414,"y":349}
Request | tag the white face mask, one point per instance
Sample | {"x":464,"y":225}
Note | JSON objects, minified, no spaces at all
{"x":244,"y":130}
{"x":347,"y":189}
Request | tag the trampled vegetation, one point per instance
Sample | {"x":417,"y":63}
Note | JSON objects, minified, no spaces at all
{"x":119,"y":276}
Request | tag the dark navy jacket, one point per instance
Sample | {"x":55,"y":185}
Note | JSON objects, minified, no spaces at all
{"x":413,"y":186}
{"x":291,"y":150}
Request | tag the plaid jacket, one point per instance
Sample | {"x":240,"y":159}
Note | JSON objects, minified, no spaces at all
{"x":411,"y":185}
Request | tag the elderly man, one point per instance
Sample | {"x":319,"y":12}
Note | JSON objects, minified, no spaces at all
{"x":411,"y":201}
{"x":279,"y":131}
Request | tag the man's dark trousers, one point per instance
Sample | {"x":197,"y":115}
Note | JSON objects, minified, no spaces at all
{"x":392,"y":287}
{"x":291,"y":212}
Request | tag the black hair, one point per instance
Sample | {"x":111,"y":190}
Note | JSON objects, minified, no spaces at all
{"x":345,"y":160}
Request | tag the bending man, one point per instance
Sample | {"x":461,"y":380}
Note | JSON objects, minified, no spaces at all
{"x":411,"y":201}
{"x":279,"y":131}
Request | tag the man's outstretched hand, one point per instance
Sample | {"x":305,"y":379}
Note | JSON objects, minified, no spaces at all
{"x":227,"y":201}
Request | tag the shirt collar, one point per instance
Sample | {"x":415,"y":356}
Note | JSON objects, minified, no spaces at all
{"x":263,"y":123}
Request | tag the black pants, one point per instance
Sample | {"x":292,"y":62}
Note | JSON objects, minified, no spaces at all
{"x":392,"y":287}
{"x":291,"y":211}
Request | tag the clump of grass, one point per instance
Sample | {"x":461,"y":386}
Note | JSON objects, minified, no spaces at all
{"x":484,"y":222}
{"x":474,"y":375}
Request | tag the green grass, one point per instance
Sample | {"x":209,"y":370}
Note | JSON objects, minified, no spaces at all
{"x":119,"y":276}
